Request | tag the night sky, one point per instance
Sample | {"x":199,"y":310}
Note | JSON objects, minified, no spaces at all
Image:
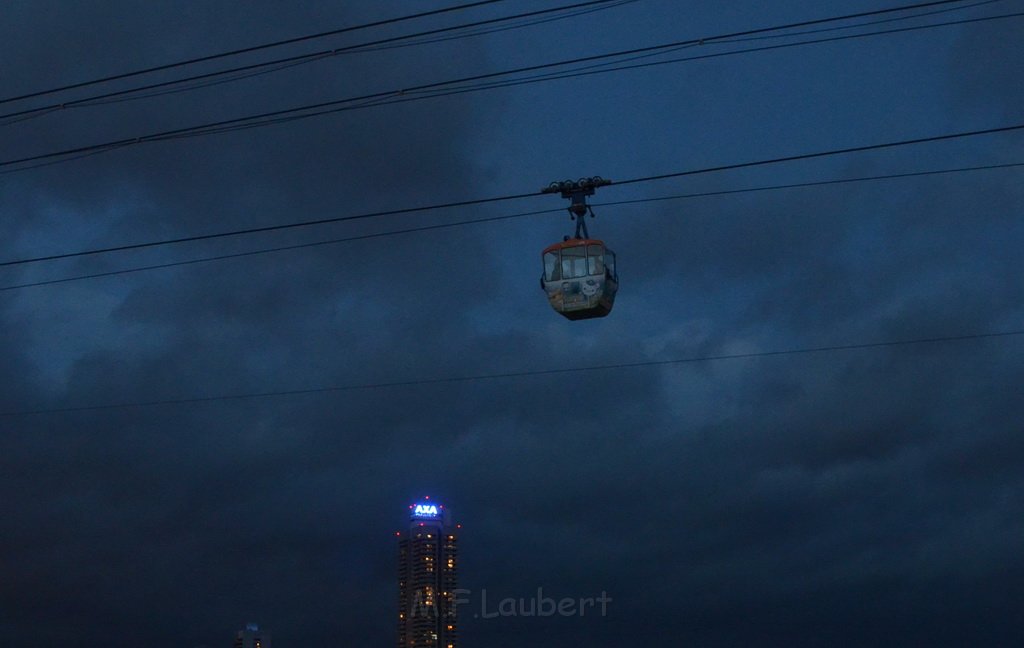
{"x":859,"y":497}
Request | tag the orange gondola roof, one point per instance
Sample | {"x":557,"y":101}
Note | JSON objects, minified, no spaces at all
{"x":571,"y":243}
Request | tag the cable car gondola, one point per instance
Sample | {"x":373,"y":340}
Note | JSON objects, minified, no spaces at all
{"x":580,"y":277}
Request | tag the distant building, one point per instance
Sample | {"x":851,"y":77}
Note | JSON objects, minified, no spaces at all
{"x":427,"y":565}
{"x":252,"y":637}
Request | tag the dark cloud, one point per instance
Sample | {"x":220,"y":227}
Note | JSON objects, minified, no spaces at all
{"x":856,"y":497}
{"x":986,"y":64}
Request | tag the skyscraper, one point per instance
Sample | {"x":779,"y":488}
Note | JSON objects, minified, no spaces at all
{"x":252,"y":637}
{"x":427,"y":560}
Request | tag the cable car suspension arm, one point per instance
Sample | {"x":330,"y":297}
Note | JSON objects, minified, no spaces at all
{"x":577,"y":192}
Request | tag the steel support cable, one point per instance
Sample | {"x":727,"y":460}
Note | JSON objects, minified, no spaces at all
{"x":881,"y":21}
{"x":592,"y":70}
{"x":523,"y":374}
{"x":791,"y":34}
{"x":475,"y":221}
{"x":328,"y":107}
{"x":480,"y":201}
{"x":285,"y":63}
{"x":304,"y":59}
{"x":255,"y":69}
{"x":407,"y":96}
{"x":247,"y":50}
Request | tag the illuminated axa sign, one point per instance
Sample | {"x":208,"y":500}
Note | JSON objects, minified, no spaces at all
{"x":425,"y":510}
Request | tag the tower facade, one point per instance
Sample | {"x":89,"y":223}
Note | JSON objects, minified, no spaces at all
{"x":427,"y":568}
{"x":252,"y":637}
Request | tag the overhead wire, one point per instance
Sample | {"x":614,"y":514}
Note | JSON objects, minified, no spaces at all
{"x":209,"y":79}
{"x":250,"y":49}
{"x":506,"y":375}
{"x":411,"y":95}
{"x":269,"y":228}
{"x":591,"y":70}
{"x":442,"y":88}
{"x":503,"y":217}
{"x":880,"y":21}
{"x":584,"y":10}
{"x":786,"y":34}
{"x":494,"y":199}
{"x":397,"y":42}
{"x":394,"y":43}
